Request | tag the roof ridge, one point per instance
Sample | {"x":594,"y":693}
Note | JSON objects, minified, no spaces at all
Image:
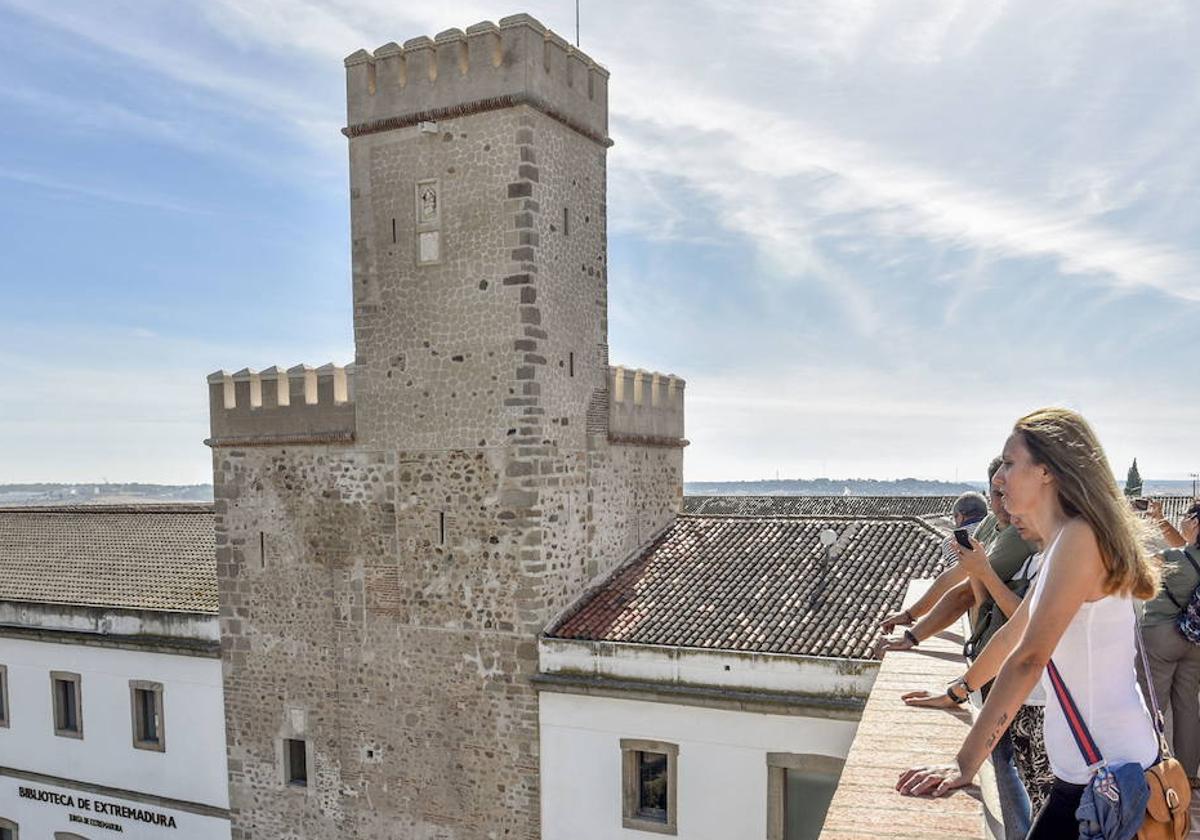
{"x":815,"y":517}
{"x":158,"y":507}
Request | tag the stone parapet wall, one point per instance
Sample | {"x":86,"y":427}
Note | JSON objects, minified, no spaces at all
{"x":645,"y":407}
{"x":892,"y":737}
{"x":486,"y":67}
{"x":298,"y":405}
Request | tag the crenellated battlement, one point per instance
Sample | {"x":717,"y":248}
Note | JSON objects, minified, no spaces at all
{"x":489,"y":66}
{"x":645,"y":406}
{"x":302,"y":404}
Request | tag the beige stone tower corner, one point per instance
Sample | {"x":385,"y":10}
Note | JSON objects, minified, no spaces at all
{"x":392,"y":536}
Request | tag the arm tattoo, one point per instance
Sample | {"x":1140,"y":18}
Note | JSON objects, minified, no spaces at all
{"x":998,"y":731}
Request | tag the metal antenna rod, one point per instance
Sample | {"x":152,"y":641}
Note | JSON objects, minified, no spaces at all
{"x":577,"y":23}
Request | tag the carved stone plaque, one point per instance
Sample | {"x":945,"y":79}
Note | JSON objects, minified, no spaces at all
{"x":429,"y":205}
{"x":429,"y":246}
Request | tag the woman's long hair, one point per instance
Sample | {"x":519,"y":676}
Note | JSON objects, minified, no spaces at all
{"x":1063,"y":442}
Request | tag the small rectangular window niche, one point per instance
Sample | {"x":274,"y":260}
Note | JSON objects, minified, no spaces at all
{"x":295,"y":762}
{"x":649,"y":785}
{"x":146,"y":709}
{"x":66,"y":695}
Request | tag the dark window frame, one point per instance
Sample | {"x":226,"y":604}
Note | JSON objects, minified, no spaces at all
{"x":138,"y":691}
{"x":60,"y":729}
{"x":5,"y":700}
{"x":290,"y":778}
{"x":778,"y":765}
{"x":631,"y":787}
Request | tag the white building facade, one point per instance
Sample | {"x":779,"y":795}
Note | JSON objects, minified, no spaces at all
{"x":108,"y":733}
{"x":750,"y":742}
{"x":111,"y":718}
{"x":710,"y":688}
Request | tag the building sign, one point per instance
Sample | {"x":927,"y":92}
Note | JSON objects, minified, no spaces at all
{"x":88,"y":806}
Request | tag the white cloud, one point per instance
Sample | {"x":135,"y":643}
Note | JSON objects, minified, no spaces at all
{"x":740,"y":155}
{"x":75,"y":188}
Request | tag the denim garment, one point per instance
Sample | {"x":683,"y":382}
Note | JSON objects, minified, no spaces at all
{"x":1014,"y":800}
{"x":1103,"y":818}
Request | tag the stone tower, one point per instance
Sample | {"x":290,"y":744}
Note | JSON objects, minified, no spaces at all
{"x":393,"y":536}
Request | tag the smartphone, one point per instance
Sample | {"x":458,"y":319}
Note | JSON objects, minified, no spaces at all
{"x":964,"y":539}
{"x":1141,"y":504}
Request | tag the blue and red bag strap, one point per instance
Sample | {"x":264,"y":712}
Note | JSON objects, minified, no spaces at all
{"x":1083,"y":738}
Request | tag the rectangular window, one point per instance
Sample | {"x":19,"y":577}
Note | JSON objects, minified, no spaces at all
{"x":571,"y":364}
{"x":3,"y":698}
{"x":8,"y":829}
{"x":649,"y":770}
{"x":799,"y":790}
{"x":566,"y":222}
{"x":295,"y":760}
{"x":146,"y":709}
{"x":68,"y":704}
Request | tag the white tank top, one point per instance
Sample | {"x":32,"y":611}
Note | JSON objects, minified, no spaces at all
{"x":1096,"y":659}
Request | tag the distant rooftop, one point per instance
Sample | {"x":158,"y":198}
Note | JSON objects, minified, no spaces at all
{"x":922,"y":506}
{"x":147,"y":557}
{"x":818,"y":505}
{"x":760,"y":584}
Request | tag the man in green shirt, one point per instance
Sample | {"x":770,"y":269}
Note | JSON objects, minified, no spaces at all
{"x":953,"y":592}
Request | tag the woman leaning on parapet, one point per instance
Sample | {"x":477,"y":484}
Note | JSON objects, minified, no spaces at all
{"x":1174,"y":658}
{"x":1080,"y":611}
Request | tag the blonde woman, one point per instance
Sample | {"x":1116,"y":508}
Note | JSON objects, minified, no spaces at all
{"x":1080,"y":612}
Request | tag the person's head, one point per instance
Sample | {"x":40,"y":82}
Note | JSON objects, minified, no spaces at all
{"x":1053,"y":458}
{"x":995,"y":497}
{"x":1190,"y":526}
{"x":969,"y":508}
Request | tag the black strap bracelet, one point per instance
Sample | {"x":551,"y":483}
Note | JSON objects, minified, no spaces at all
{"x":908,"y":634}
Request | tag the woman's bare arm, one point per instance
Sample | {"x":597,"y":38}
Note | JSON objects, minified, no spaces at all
{"x":1071,"y":579}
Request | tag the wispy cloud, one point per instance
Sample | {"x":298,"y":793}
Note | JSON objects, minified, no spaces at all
{"x":102,"y":193}
{"x":740,"y":155}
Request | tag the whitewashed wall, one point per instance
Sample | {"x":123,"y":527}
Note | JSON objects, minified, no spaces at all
{"x":192,"y":769}
{"x":722,"y":777}
{"x":40,"y":821}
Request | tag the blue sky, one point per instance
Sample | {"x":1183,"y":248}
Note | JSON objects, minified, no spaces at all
{"x":868,"y":234}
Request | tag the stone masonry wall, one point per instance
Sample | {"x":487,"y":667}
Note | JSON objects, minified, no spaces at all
{"x":383,"y":598}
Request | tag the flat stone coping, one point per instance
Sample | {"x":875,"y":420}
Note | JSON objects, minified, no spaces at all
{"x":893,"y":737}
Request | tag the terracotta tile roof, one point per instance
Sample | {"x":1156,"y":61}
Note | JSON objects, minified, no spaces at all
{"x":818,"y":505}
{"x":758,"y":584}
{"x":157,"y":557}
